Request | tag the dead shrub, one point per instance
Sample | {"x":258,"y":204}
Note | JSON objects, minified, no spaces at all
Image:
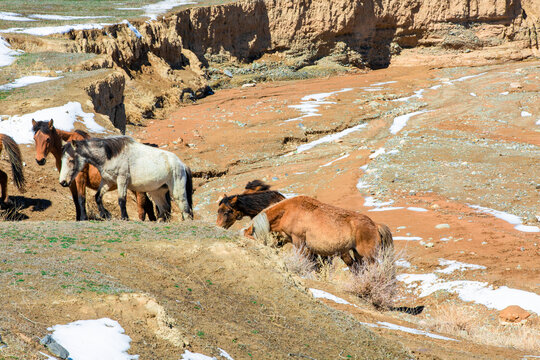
{"x":376,"y":282}
{"x":298,"y":262}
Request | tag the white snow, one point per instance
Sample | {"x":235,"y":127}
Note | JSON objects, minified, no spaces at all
{"x":132,"y":28}
{"x":27,"y":80}
{"x":161,"y":7}
{"x":538,"y":122}
{"x":403,"y":263}
{"x":504,"y":93}
{"x":7,"y":55}
{"x":93,"y":339}
{"x":309,"y":105}
{"x":371,"y":202}
{"x":49,"y":30}
{"x":407,"y":238}
{"x":435,"y":87}
{"x":361,"y":185}
{"x":320,"y":294}
{"x":409,"y":330}
{"x":525,"y":114}
{"x":333,"y":161}
{"x":509,"y":218}
{"x":48,"y":357}
{"x":476,"y":291}
{"x":224,"y":354}
{"x":188,"y":355}
{"x":417,"y":94}
{"x":364,"y":167}
{"x":388,"y":208}
{"x":328,"y":138}
{"x":463,"y":78}
{"x":400,"y":121}
{"x":64,"y":17}
{"x":372,"y":89}
{"x":19,"y":127}
{"x":9,"y":16}
{"x":383,"y":83}
{"x":473,"y":94}
{"x":418,"y":209}
{"x":377,"y":152}
{"x":453,"y":265}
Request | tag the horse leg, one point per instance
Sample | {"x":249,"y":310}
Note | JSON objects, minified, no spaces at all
{"x":121,"y":183}
{"x":144,"y":206}
{"x":164,"y":206}
{"x":350,"y":262}
{"x":80,"y":202}
{"x":3,"y":185}
{"x":179,"y":194}
{"x":103,"y":188}
{"x":75,"y":197}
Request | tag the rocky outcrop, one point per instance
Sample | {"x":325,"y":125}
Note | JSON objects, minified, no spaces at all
{"x":108,"y":99}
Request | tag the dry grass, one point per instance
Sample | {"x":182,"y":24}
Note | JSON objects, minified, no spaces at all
{"x":471,"y":323}
{"x":298,"y":263}
{"x":376,"y":282}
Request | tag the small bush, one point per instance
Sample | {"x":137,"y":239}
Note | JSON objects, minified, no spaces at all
{"x":376,"y":282}
{"x":298,"y":262}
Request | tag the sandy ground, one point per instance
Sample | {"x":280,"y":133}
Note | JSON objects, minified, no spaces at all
{"x":475,"y":146}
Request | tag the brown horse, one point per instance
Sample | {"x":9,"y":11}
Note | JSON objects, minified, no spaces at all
{"x":249,"y":203}
{"x":48,"y":139}
{"x":15,"y":159}
{"x":324,"y":229}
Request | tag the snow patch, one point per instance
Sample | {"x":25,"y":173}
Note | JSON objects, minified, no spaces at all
{"x":161,"y":7}
{"x":509,"y":218}
{"x":371,"y":202}
{"x":310,"y":104}
{"x":333,"y":161}
{"x":525,"y":114}
{"x":389,"y":208}
{"x":453,"y":265}
{"x":9,"y":16}
{"x":403,"y":263}
{"x":64,"y":17}
{"x":93,"y":339}
{"x":19,"y":127}
{"x":390,"y":326}
{"x":377,"y":152}
{"x":224,"y":354}
{"x":320,"y":294}
{"x":132,"y":28}
{"x":7,"y":55}
{"x":49,"y":30}
{"x":407,"y":238}
{"x":383,"y":83}
{"x":417,"y":94}
{"x":475,"y":291}
{"x":188,"y":355}
{"x":329,"y":138}
{"x":418,"y":209}
{"x":400,"y":121}
{"x":27,"y":80}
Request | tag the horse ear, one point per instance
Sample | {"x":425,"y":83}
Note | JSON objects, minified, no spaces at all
{"x":75,"y":144}
{"x":34,"y":123}
{"x":51,"y":124}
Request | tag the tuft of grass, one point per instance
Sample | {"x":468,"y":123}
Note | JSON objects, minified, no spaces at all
{"x":376,"y":282}
{"x":299,"y":263}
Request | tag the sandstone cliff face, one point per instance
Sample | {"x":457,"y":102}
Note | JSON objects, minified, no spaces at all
{"x":108,"y":99}
{"x":310,"y":30}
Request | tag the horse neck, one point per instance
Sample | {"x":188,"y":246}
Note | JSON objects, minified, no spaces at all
{"x":274,"y":214}
{"x":56,"y":147}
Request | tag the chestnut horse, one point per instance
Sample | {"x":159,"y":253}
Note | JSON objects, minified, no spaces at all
{"x":48,"y":139}
{"x":15,"y":159}
{"x":255,"y":198}
{"x":324,"y":229}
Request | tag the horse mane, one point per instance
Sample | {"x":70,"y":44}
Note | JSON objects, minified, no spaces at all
{"x":254,"y":203}
{"x":257,"y":185}
{"x":112,"y":145}
{"x":69,"y":149}
{"x":43,"y":126}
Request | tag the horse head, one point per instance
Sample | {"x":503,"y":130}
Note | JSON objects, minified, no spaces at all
{"x":227,"y":213}
{"x":43,"y":132}
{"x":72,"y":162}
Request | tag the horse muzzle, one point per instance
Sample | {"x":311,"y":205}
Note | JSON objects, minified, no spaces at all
{"x":64,"y":183}
{"x":41,"y":161}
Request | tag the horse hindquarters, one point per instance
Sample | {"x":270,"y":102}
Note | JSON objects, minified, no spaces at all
{"x":180,"y":186}
{"x":163,"y":203}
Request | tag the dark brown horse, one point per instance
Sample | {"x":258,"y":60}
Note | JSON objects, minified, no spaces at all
{"x":323,"y":229}
{"x":255,"y":198}
{"x":15,"y":159}
{"x":48,"y":139}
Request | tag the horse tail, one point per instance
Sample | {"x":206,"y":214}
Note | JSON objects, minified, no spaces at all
{"x":15,"y":159}
{"x":189,"y":188}
{"x":261,"y":226}
{"x":387,"y":241}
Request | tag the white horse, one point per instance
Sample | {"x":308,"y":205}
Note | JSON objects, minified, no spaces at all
{"x":131,"y":165}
